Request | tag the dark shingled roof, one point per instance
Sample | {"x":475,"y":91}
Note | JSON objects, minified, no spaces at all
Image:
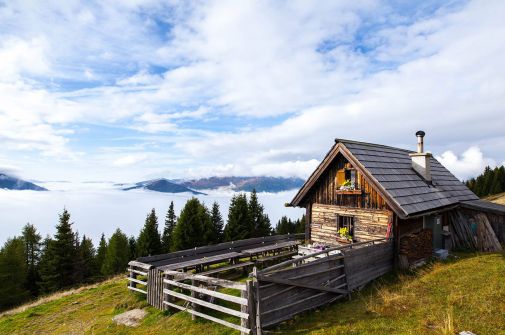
{"x":392,"y":169}
{"x":483,"y":205}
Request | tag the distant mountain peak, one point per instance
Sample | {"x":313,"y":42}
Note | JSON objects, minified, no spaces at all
{"x":245,"y":183}
{"x":13,"y":183}
{"x":161,"y":185}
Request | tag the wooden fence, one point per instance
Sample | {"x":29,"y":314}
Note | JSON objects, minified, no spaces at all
{"x":274,"y":294}
{"x":198,"y":299}
{"x":302,"y":284}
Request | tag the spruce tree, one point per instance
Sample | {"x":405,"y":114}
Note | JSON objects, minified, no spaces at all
{"x":89,"y":269}
{"x":32,"y":241}
{"x":60,"y":256}
{"x":13,"y":273}
{"x":149,"y":241}
{"x":217,"y":222}
{"x":132,"y":248}
{"x":189,"y":230}
{"x":100,"y":253}
{"x":300,"y":225}
{"x":285,"y":226}
{"x":117,"y":255}
{"x":48,"y":277}
{"x":238,"y":226}
{"x":168,"y":229}
{"x":259,"y":221}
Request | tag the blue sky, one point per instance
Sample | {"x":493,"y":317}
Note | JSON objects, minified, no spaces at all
{"x":131,"y":90}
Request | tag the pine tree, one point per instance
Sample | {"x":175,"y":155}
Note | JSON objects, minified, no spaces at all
{"x":60,"y":256}
{"x":238,"y":225}
{"x":89,"y":270}
{"x":285,"y":226}
{"x":116,"y":257}
{"x":13,"y":273}
{"x":100,"y":253}
{"x":189,"y":230}
{"x":170,"y":222}
{"x":132,"y":247}
{"x":217,"y":222}
{"x":32,"y":241}
{"x":149,"y":241}
{"x":48,"y":278}
{"x":259,"y":222}
{"x":300,"y":225}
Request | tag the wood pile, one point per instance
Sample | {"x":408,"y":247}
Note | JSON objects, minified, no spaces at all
{"x":416,"y":246}
{"x":481,"y":238}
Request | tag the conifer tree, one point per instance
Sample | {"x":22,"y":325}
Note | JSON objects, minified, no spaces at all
{"x":238,"y":226}
{"x":32,"y":241}
{"x":60,"y":256}
{"x":300,"y":225}
{"x":89,"y":269}
{"x":132,"y":247}
{"x":100,"y":253}
{"x":168,"y":229}
{"x":116,"y":257}
{"x":217,"y":222}
{"x":48,"y":278}
{"x":259,"y":221}
{"x":189,"y":230}
{"x":285,"y":226}
{"x":149,"y":241}
{"x":13,"y":273}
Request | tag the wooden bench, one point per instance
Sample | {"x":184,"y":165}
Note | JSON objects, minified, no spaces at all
{"x":263,"y":260}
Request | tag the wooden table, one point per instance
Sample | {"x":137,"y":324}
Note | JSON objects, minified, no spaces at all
{"x":270,"y":247}
{"x":199,"y":262}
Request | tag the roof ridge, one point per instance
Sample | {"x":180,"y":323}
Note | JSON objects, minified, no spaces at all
{"x":343,"y":140}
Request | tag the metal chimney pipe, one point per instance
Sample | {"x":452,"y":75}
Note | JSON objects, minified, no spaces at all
{"x":420,"y":141}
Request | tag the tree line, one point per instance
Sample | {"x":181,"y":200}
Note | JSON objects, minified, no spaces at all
{"x":489,"y":182}
{"x":31,"y":266}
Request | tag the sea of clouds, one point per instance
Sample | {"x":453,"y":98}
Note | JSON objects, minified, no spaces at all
{"x":101,"y":207}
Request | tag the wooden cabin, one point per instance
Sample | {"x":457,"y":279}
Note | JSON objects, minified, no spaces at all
{"x":363,"y":191}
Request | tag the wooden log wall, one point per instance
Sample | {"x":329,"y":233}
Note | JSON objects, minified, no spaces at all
{"x":325,"y":191}
{"x":369,"y":224}
{"x":368,"y":263}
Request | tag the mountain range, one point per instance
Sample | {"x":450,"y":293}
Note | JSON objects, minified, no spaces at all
{"x":238,"y":184}
{"x":13,"y":183}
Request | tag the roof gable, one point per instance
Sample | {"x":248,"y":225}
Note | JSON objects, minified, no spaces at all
{"x":390,"y":169}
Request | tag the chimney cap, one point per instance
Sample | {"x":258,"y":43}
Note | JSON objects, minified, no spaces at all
{"x":420,"y":133}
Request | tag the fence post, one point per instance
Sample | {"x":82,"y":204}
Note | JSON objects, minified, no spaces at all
{"x":193,"y":305}
{"x":256,"y":306}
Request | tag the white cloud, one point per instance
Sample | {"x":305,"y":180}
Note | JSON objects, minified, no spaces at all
{"x":471,"y":163}
{"x":129,"y":160}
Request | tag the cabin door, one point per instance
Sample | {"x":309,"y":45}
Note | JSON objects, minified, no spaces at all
{"x":434,"y":222}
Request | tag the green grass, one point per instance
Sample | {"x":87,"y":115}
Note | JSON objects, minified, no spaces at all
{"x":442,"y":298}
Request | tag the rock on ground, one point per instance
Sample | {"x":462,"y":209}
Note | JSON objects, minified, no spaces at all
{"x":130,"y":318}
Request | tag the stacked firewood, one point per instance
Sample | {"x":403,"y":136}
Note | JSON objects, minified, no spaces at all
{"x":416,"y":246}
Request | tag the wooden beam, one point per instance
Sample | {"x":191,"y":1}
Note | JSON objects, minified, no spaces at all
{"x":137,"y":289}
{"x":210,"y":280}
{"x":137,"y":281}
{"x":206,"y":304}
{"x":294,"y":283}
{"x":208,"y":317}
{"x":215,"y":294}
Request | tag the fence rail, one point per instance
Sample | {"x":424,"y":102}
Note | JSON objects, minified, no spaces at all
{"x":203,"y":296}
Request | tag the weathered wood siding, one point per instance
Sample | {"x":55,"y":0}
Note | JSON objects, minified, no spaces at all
{"x":325,"y":190}
{"x":369,"y":224}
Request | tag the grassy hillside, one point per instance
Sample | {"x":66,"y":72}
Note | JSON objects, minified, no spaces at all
{"x":498,"y":198}
{"x":463,"y":294}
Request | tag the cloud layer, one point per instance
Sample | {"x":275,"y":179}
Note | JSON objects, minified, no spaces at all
{"x":140,"y":89}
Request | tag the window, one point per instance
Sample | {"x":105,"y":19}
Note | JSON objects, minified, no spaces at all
{"x":344,"y":221}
